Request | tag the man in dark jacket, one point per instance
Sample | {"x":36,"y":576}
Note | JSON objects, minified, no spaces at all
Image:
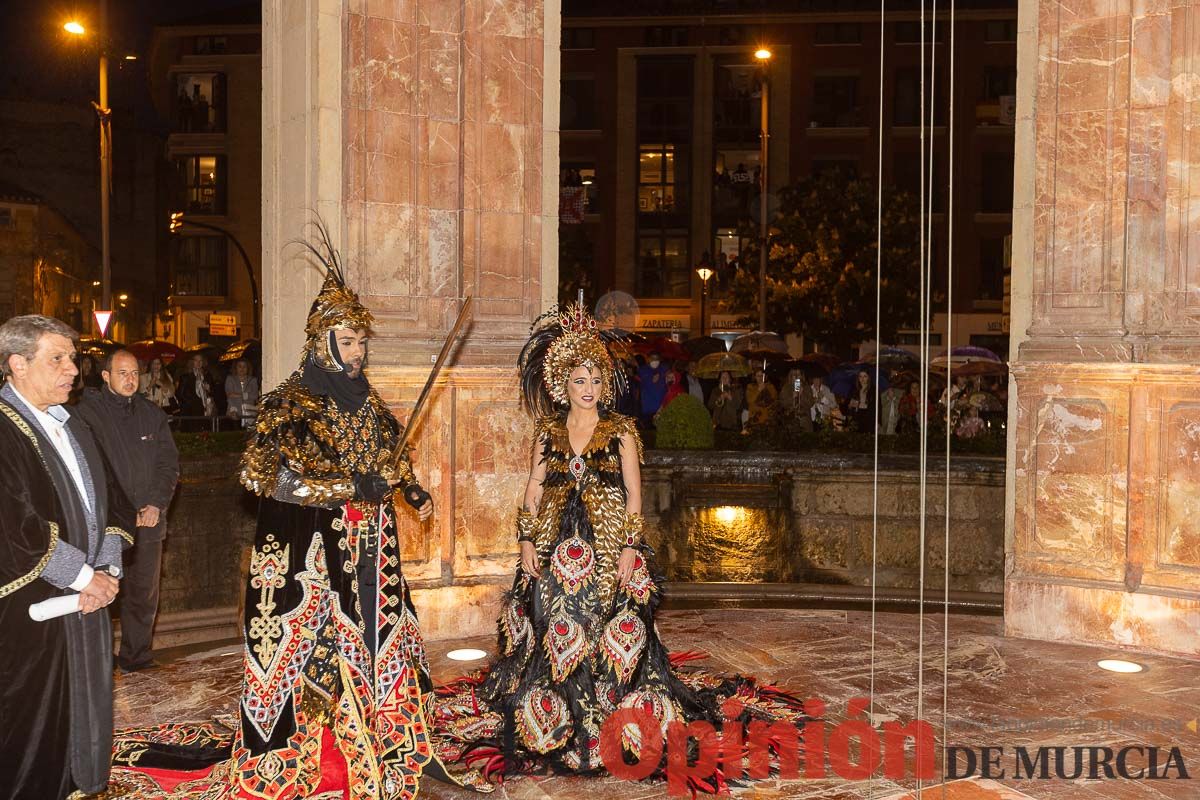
{"x":134,"y":434}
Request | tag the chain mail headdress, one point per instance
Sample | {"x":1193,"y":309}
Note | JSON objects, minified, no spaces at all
{"x":336,"y":305}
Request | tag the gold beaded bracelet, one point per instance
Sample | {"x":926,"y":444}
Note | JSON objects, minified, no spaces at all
{"x":525,"y":523}
{"x":634,"y":523}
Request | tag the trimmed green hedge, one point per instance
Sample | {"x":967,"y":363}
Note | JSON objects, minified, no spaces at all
{"x":684,"y":425}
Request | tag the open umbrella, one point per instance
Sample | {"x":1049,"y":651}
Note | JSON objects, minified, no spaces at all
{"x":150,"y":349}
{"x":97,"y":347}
{"x":703,"y":345}
{"x":713,"y":364}
{"x":975,"y":368}
{"x":965,"y":354}
{"x":759,"y":341}
{"x":250,"y":349}
{"x":669,"y":349}
{"x":811,"y":369}
{"x":894,"y":358}
{"x":841,"y":381}
{"x":828,"y":361}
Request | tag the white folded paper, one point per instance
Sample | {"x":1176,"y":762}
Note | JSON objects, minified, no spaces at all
{"x":54,"y":607}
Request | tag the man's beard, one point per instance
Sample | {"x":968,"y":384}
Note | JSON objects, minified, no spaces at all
{"x":353,"y":370}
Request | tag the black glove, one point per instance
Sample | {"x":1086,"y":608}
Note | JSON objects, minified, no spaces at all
{"x":415,"y":496}
{"x":371,"y":487}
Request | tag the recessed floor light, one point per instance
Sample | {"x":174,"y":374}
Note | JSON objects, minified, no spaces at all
{"x":1118,"y":665}
{"x":466,"y":654}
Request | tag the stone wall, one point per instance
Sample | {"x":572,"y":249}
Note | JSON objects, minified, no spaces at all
{"x":793,"y":518}
{"x":809,"y":518}
{"x":1104,"y":544}
{"x":210,"y":527}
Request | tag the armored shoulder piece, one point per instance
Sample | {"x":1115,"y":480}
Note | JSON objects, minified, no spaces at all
{"x":290,"y":456}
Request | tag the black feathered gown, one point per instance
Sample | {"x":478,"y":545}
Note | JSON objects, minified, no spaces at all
{"x":573,"y":645}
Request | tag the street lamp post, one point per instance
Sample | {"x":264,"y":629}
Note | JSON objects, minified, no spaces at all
{"x":104,"y":113}
{"x":705,"y":273}
{"x":178,"y":221}
{"x":764,"y":57}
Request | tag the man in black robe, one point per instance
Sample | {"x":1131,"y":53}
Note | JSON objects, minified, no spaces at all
{"x":62,"y":532}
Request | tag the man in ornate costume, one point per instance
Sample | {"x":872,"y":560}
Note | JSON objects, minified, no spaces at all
{"x":63,"y":527}
{"x":336,"y":687}
{"x":331,"y":635}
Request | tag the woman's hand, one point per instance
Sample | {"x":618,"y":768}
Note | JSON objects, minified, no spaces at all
{"x":529,"y":560}
{"x":625,"y":565}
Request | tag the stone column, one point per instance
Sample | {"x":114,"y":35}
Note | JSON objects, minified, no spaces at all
{"x":426,"y":135}
{"x":1104,"y":468}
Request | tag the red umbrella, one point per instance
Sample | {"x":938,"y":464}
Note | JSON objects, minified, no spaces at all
{"x":669,"y":349}
{"x":150,"y":349}
{"x":828,"y":361}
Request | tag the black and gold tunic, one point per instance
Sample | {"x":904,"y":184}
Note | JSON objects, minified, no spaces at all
{"x":331,"y":635}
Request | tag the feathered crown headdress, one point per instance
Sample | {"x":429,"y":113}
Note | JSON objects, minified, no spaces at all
{"x":561,"y":340}
{"x":335,"y":306}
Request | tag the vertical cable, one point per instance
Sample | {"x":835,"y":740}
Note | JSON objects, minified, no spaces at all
{"x":926,"y":324}
{"x":878,"y":353}
{"x":949,"y":378}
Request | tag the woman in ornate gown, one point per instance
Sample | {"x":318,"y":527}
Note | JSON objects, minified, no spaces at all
{"x":577,"y":639}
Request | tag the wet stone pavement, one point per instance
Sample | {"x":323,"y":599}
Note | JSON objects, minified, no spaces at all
{"x":1000,"y":692}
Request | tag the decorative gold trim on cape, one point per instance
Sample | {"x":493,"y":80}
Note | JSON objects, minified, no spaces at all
{"x":29,"y":577}
{"x":33,"y":574}
{"x":113,"y":530}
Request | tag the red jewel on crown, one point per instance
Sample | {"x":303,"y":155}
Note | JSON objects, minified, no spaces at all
{"x":577,"y":320}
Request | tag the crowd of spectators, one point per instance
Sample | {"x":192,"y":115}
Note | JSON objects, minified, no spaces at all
{"x":195,"y":394}
{"x":802,"y":399}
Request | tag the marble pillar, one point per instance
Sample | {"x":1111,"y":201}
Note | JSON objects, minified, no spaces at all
{"x":425,"y":133}
{"x":1104,"y":467}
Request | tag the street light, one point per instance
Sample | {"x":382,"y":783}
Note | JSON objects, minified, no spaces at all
{"x":764,"y":59}
{"x":705,"y":273}
{"x":178,"y":221}
{"x":105,"y":115}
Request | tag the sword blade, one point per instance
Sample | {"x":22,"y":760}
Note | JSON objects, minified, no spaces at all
{"x":413,"y":418}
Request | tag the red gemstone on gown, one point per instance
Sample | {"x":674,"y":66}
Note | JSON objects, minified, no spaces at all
{"x":627,"y":626}
{"x":575,"y":551}
{"x":637,"y":562}
{"x":547,"y":705}
{"x":561,"y":628}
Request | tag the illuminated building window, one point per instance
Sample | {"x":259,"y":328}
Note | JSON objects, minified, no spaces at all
{"x":202,"y":183}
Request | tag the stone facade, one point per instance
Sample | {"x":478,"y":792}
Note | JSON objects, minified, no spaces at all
{"x":1105,"y":543}
{"x":818,"y":509}
{"x":424,"y":135}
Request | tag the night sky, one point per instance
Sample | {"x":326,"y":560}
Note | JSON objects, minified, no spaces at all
{"x":42,"y":62}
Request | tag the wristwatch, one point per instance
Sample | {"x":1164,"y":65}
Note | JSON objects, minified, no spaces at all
{"x":109,"y":569}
